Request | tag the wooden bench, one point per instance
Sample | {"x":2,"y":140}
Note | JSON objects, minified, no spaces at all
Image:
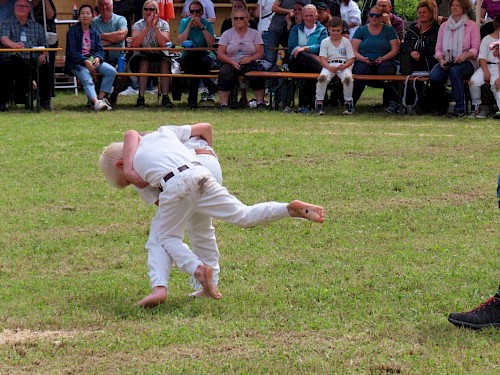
{"x":275,"y":76}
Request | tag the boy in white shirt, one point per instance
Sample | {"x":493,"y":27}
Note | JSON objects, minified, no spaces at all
{"x":160,"y":159}
{"x":337,"y":57}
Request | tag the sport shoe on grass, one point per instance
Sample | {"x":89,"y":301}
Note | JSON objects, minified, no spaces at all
{"x":129,"y":91}
{"x":348,"y":108}
{"x":101,"y":105}
{"x":304,"y":110}
{"x":319,"y":109}
{"x":165,"y":102}
{"x":483,"y":112}
{"x":140,"y":101}
{"x":496,"y":115}
{"x":485,"y":315}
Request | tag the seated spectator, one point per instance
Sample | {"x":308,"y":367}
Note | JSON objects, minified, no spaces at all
{"x":19,"y":69}
{"x":375,"y":46}
{"x":336,"y":58}
{"x":390,"y":19}
{"x":486,"y":74}
{"x":208,"y":9}
{"x":151,"y":31}
{"x":228,"y":22}
{"x":239,"y":49}
{"x":85,"y":56}
{"x":351,"y":14}
{"x":291,"y":19}
{"x":113,"y":30}
{"x":456,"y":51}
{"x":201,"y":33}
{"x":418,"y":49}
{"x":492,"y":9}
{"x":303,"y":45}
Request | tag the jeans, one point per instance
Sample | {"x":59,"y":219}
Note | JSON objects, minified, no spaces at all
{"x":265,"y":38}
{"x":457,"y":73}
{"x":108,"y":77}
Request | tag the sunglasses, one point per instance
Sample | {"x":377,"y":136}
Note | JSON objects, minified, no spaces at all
{"x":149,"y":9}
{"x":239,"y":18}
{"x":192,"y":11}
{"x":376,"y":15}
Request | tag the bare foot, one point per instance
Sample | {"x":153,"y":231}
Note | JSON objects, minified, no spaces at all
{"x":155,"y":298}
{"x":204,"y":275}
{"x":202,"y":294}
{"x":306,"y":211}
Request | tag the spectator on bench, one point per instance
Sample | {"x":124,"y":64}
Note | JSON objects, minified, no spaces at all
{"x":303,"y":44}
{"x":151,"y":31}
{"x":85,"y":56}
{"x":201,"y":33}
{"x":375,"y":46}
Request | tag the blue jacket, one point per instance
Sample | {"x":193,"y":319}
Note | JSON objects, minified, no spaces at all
{"x":74,"y":57}
{"x":313,"y":41}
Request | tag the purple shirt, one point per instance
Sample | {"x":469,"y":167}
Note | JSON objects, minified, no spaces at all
{"x":236,"y":44}
{"x":492,"y":8}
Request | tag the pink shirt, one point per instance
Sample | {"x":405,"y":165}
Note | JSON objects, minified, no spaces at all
{"x":471,"y":40}
{"x":86,"y":43}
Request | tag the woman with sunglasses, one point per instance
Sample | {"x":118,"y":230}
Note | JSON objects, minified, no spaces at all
{"x":85,"y":56}
{"x":200,"y":32}
{"x":151,"y":31}
{"x":456,"y":51}
{"x":239,"y":48}
{"x":375,"y":46}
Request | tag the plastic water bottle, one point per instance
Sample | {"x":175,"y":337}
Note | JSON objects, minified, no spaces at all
{"x":75,"y":11}
{"x":239,"y":55}
{"x":121,"y":62}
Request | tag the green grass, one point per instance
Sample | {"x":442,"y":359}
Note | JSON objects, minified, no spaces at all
{"x":411,"y":235}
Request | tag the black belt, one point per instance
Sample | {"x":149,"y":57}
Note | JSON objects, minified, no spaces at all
{"x":182,"y":168}
{"x":336,"y":61}
{"x":492,"y":63}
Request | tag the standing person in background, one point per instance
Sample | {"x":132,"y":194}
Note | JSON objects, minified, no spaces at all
{"x":201,"y":33}
{"x":125,"y":8}
{"x":280,"y":8}
{"x":456,"y":51}
{"x":151,"y":31}
{"x":264,"y":12}
{"x":208,"y":9}
{"x":350,"y":13}
{"x":85,"y":56}
{"x":50,"y":16}
{"x":113,"y":29}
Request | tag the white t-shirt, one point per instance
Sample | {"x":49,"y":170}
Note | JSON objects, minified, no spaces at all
{"x":161,"y":152}
{"x":484,"y":50}
{"x":343,"y":52}
{"x":266,"y":10}
{"x":151,"y":194}
{"x":351,"y":13}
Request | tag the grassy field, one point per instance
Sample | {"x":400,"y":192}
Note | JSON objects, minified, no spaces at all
{"x":412,"y":234}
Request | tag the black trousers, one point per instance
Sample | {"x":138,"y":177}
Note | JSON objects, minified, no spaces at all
{"x":306,"y":62}
{"x":197,"y":62}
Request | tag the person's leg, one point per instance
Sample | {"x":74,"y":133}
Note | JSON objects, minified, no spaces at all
{"x":359,"y":85}
{"x":143,"y":81}
{"x":347,"y":83}
{"x":438,"y":95}
{"x":325,"y":76}
{"x":273,"y":42}
{"x":87,"y":82}
{"x":458,"y":73}
{"x":108,"y":78}
{"x":265,"y":39}
{"x":475,"y":83}
{"x":165,"y":82}
{"x":226,"y":82}
{"x":159,"y":266}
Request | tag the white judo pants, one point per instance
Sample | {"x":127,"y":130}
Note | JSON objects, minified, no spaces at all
{"x":477,"y":80}
{"x":195,"y":191}
{"x":201,"y":235}
{"x":345,"y":77}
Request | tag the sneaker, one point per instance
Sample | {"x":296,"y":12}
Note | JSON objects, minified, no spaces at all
{"x":152,"y":92}
{"x":483,"y":112}
{"x":485,"y":315}
{"x":319,"y":109}
{"x":287,"y":110}
{"x":140,"y":101}
{"x":393,"y":107}
{"x":224,"y":107}
{"x":210,"y":98}
{"x":474,"y":111}
{"x":106,"y":101}
{"x":458,"y":114}
{"x":100,"y":105}
{"x":129,"y":91}
{"x":348,"y":108}
{"x":165,"y":102}
{"x":261,"y":105}
{"x":204,"y":96}
{"x":304,"y":110}
{"x":496,"y":115}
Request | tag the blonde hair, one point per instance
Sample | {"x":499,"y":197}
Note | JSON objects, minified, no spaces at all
{"x":310,"y":6}
{"x":111,"y":155}
{"x":429,"y":4}
{"x":150,"y":2}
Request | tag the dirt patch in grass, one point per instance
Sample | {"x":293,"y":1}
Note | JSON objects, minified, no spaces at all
{"x":20,"y":336}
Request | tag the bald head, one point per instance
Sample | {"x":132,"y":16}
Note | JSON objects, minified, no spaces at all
{"x":385,"y":5}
